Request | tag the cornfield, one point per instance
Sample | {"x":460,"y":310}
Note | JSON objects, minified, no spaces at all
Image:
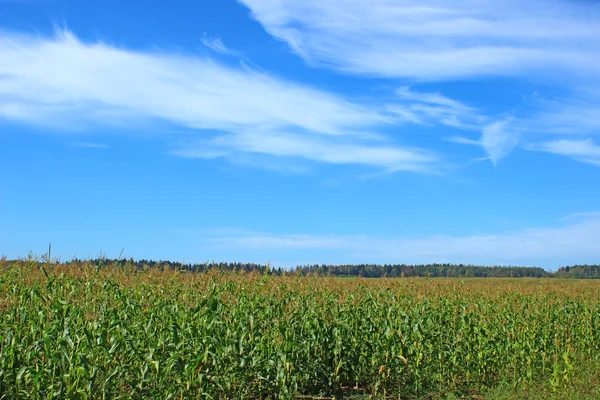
{"x":93,"y":332}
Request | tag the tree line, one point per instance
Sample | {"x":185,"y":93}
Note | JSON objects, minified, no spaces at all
{"x":347,"y":270}
{"x":579,"y":271}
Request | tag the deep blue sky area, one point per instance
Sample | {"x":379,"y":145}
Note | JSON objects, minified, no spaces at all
{"x":322,"y":131}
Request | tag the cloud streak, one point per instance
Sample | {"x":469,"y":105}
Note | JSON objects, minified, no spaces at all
{"x":434,"y":108}
{"x":438,"y":39}
{"x":63,"y":82}
{"x":552,"y":43}
{"x":324,"y":149}
{"x":577,"y":241}
{"x":65,"y":73}
{"x":90,"y":145}
{"x":215,"y":44}
{"x":581,"y":150}
{"x":53,"y":80}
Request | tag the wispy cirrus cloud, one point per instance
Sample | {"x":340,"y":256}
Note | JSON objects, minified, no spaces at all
{"x":62,"y":79}
{"x":498,"y":139}
{"x":437,"y":39}
{"x":217,"y":45}
{"x":581,"y":150}
{"x":435,"y":98}
{"x":90,"y":145}
{"x":65,"y":73}
{"x":331,"y":150}
{"x":575,"y":241}
{"x":549,"y":41}
{"x":434,"y":108}
{"x":562,"y":126}
{"x":573,"y":114}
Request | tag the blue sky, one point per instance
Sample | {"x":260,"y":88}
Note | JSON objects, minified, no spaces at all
{"x":320,"y":131}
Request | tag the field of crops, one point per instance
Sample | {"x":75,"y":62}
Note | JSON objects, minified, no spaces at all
{"x":93,"y":332}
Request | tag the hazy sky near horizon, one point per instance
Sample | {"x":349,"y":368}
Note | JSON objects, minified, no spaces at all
{"x":296,"y":132}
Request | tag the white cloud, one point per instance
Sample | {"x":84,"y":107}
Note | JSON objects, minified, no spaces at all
{"x":549,"y":42}
{"x":463,"y":140}
{"x":581,"y":150}
{"x":574,"y":242}
{"x":198,"y":93}
{"x":324,"y":149}
{"x":52,"y":80}
{"x":435,"y":108}
{"x":437,"y":39}
{"x":432,"y":98}
{"x":582,"y":216}
{"x":556,"y":125}
{"x":564,"y":120}
{"x":90,"y":145}
{"x":215,"y":44}
{"x":568,"y":115}
{"x":498,"y":140}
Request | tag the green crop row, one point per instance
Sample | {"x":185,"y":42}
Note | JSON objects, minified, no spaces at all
{"x":89,"y":333}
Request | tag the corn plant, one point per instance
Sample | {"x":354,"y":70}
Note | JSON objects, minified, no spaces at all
{"x":90,"y":332}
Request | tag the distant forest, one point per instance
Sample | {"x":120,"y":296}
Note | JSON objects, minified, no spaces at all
{"x":353,"y":270}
